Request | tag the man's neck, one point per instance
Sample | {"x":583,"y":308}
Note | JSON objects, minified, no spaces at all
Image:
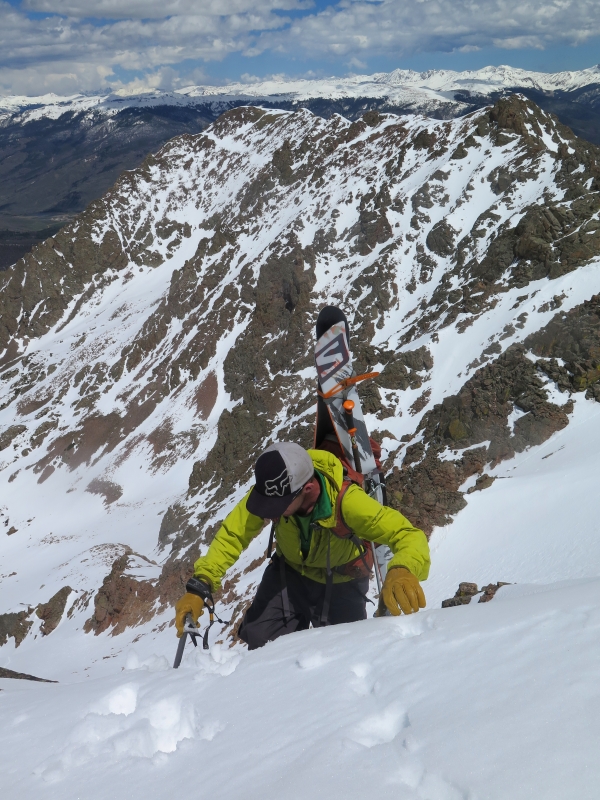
{"x":311,"y":498}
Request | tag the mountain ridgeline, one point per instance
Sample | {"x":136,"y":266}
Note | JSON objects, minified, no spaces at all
{"x":156,"y":344}
{"x":58,"y":154}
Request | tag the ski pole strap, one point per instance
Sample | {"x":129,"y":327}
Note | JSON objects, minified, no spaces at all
{"x":328,"y":586}
{"x":271,"y":538}
{"x":285,"y":600}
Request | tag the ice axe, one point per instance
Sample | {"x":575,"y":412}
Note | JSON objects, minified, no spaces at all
{"x":189,"y":629}
{"x":201,"y":589}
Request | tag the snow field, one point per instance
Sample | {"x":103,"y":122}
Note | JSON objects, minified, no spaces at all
{"x":477,"y":702}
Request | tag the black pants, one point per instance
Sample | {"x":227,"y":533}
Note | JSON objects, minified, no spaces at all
{"x":264,"y":621}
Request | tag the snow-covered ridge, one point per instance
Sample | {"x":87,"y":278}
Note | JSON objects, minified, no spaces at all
{"x":400,"y":87}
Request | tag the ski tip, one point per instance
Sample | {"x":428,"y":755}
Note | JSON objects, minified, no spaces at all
{"x":328,"y":316}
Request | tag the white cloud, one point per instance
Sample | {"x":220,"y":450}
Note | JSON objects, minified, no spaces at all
{"x":403,"y":27}
{"x":159,"y":9}
{"x":356,"y":63}
{"x":80,"y":44}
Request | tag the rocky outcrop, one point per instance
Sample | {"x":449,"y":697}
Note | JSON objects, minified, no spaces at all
{"x":121,"y":601}
{"x":51,"y":612}
{"x":10,"y":673}
{"x":467,"y":591}
{"x":15,"y":625}
{"x":7,"y":437}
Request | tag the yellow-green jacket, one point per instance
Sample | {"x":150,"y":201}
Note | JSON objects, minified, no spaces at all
{"x":367,"y":518}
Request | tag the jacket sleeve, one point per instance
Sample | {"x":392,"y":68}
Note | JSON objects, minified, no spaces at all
{"x":235,"y":534}
{"x":382,"y":525}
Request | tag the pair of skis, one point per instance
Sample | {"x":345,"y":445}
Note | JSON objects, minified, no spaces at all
{"x":339,"y":412}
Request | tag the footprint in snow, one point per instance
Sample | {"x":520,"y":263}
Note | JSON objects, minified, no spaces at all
{"x":425,"y":785}
{"x":360,"y":682}
{"x":122,"y":700}
{"x":380,"y":728}
{"x":312,"y":660}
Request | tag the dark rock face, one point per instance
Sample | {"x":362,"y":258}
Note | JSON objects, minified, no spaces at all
{"x":15,"y":626}
{"x":440,"y":240}
{"x":575,"y":338}
{"x":120,"y":601}
{"x":9,"y":434}
{"x":464,"y":594}
{"x":51,"y":612}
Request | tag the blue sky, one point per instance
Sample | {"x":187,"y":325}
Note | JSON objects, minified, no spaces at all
{"x":86,"y":45}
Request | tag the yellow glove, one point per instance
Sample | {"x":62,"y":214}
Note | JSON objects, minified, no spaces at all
{"x":402,"y":592}
{"x":188,"y":604}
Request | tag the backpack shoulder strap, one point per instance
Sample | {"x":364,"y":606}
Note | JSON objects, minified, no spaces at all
{"x":340,"y":528}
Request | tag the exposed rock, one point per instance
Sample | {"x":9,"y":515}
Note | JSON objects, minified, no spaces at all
{"x":9,"y":434}
{"x":51,"y":612}
{"x":107,"y":489}
{"x":121,"y":601}
{"x":467,"y":591}
{"x":175,"y":519}
{"x":573,"y":337}
{"x":440,"y":239}
{"x":15,"y":625}
{"x":282,"y":297}
{"x":429,"y":486}
{"x":464,"y":595}
{"x":9,"y":673}
{"x":483,"y":482}
{"x":490,"y":590}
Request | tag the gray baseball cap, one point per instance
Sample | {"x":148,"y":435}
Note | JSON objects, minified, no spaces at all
{"x":280,"y":473}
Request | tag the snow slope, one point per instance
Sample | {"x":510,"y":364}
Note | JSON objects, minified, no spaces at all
{"x":480,"y":702}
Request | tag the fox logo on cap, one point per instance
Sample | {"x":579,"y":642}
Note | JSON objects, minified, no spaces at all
{"x":280,"y":472}
{"x":276,"y":487}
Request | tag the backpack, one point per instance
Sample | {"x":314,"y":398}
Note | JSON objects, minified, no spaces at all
{"x":331,"y":445}
{"x":362,"y":566}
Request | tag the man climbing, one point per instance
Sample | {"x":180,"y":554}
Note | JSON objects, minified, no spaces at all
{"x":320,"y":572}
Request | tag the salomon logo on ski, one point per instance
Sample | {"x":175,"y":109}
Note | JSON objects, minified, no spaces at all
{"x":331,"y":358}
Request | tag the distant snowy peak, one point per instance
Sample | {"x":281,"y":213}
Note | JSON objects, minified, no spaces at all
{"x":490,"y":79}
{"x":416,"y":90}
